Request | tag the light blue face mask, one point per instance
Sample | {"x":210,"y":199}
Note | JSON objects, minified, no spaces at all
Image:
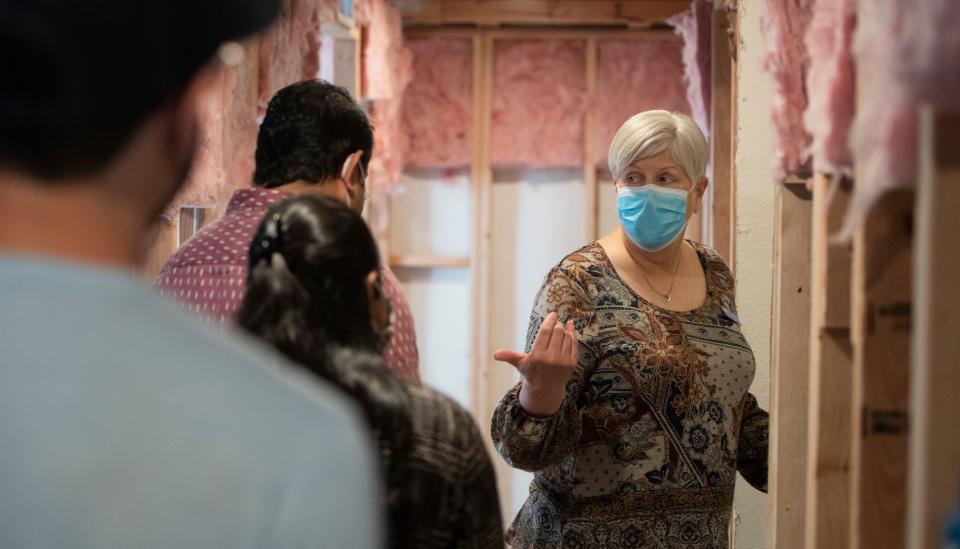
{"x":652,"y":216}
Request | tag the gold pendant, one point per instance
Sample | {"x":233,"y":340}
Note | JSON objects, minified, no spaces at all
{"x":666,"y":299}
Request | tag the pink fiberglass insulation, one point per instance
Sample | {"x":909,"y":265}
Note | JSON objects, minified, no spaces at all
{"x":539,"y":101}
{"x":884,"y":135}
{"x":633,"y":76}
{"x":389,"y":145}
{"x":930,"y":71}
{"x":695,"y":27}
{"x":438,"y":103}
{"x":831,"y":85}
{"x":227,"y":117}
{"x":387,"y":62}
{"x":785,"y":24}
{"x":290,"y":49}
{"x":239,"y":99}
{"x":207,"y":173}
{"x":387,"y":71}
{"x":226,"y":137}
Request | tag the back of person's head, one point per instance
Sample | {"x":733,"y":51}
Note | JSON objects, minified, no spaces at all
{"x":309,"y":265}
{"x":308,"y":295}
{"x":309,"y":130}
{"x":80,"y":77}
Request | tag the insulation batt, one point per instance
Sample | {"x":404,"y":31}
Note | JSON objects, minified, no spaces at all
{"x":539,"y":102}
{"x":290,"y":49}
{"x":785,"y":24}
{"x":633,"y":76}
{"x":208,"y":173}
{"x":930,"y":71}
{"x":239,"y":100}
{"x":438,"y":103}
{"x":387,"y":71}
{"x":228,"y":113}
{"x":387,"y":62}
{"x":695,"y":27}
{"x":389,"y":147}
{"x":831,"y":85}
{"x":884,"y":135}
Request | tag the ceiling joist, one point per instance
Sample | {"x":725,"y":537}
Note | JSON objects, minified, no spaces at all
{"x":493,"y":13}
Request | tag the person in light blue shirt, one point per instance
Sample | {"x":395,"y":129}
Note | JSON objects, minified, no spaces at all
{"x":124,"y":423}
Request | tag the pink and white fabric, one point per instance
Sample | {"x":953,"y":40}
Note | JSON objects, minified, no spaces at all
{"x":207,"y":275}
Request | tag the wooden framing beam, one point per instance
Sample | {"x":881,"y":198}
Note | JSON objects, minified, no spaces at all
{"x":935,"y":377}
{"x":421,"y":31}
{"x":827,"y":497}
{"x":723,"y":138}
{"x":789,"y":379}
{"x":191,"y":220}
{"x":160,"y":247}
{"x":491,"y":13}
{"x":881,"y":325}
{"x":589,"y":144}
{"x":424,"y":261}
{"x":482,"y":176}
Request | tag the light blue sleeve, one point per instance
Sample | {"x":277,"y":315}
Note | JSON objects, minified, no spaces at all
{"x":337,"y":504}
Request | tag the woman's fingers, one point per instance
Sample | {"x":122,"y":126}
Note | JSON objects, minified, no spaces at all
{"x":545,"y":334}
{"x":511,"y":357}
{"x":575,"y":342}
{"x":568,"y":342}
{"x":557,"y":339}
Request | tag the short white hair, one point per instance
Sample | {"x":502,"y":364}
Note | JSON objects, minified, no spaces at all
{"x":652,"y":132}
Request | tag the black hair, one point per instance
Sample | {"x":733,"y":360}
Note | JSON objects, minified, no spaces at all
{"x":72,"y":99}
{"x":308,"y":132}
{"x":306,"y":295}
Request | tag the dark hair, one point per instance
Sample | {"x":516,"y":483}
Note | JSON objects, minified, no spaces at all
{"x":309,"y":130}
{"x":306,"y":295}
{"x":72,"y":98}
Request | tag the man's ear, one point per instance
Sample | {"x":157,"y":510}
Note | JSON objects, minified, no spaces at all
{"x":351,"y":167}
{"x":373,"y":285}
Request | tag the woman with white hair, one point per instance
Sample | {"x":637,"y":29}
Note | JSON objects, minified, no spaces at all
{"x":633,"y":409}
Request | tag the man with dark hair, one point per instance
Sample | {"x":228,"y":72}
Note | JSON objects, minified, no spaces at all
{"x":123,"y":423}
{"x":314,"y":139}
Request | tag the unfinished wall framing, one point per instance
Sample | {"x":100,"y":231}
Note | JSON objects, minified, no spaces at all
{"x":790,"y":352}
{"x":489,"y":380}
{"x":934,"y":445}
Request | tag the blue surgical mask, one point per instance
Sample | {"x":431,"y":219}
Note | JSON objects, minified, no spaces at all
{"x":652,"y":216}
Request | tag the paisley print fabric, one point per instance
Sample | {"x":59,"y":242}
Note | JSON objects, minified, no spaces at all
{"x":656,"y":422}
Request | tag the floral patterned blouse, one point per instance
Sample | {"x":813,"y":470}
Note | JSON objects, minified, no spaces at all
{"x":656,"y":422}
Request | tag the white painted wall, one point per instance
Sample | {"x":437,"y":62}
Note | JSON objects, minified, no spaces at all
{"x":538,"y":219}
{"x":755,"y":204}
{"x":432,"y":214}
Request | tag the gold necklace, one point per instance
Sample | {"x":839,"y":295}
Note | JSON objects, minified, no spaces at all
{"x":676,"y":269}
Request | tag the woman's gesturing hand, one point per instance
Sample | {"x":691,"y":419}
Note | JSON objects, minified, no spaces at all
{"x":547,"y":368}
